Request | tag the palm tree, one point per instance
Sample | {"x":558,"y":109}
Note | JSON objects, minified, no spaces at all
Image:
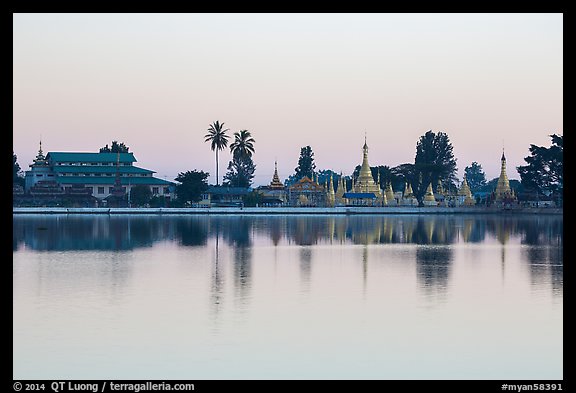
{"x":218,"y":140}
{"x":243,"y":144}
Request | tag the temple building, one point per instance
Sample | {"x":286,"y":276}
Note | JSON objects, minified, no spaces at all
{"x":307,"y":192}
{"x":503,"y":191}
{"x":274,"y":194}
{"x":101,"y":175}
{"x":365,"y":191}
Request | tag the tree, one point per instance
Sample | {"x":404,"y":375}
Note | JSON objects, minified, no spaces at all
{"x":434,"y":160}
{"x":475,"y":176}
{"x":218,"y":140}
{"x":306,"y":165}
{"x":324,"y":177}
{"x":544,"y":172}
{"x":116,"y":148}
{"x":240,"y":171}
{"x":16,"y":178}
{"x":140,"y":195}
{"x":243,"y":144}
{"x":159,"y":201}
{"x":192,"y":185}
{"x":252,"y":199}
{"x":402,"y":174}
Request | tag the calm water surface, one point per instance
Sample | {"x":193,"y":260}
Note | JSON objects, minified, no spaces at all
{"x":287,"y":297}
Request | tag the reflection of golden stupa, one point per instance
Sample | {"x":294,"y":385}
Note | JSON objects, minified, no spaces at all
{"x":429,"y":228}
{"x":408,"y":231}
{"x":467,"y":230}
{"x":388,"y":230}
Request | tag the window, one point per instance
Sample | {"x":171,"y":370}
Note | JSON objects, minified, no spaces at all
{"x":50,"y":175}
{"x":39,"y":175}
{"x":154,"y":190}
{"x":97,"y":174}
{"x":166,"y":190}
{"x":100,"y":190}
{"x":94,"y":163}
{"x":110,"y":190}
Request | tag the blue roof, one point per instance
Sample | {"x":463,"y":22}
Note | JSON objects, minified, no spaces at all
{"x":359,"y":195}
{"x":89,"y":157}
{"x":99,"y":169}
{"x":109,"y":180}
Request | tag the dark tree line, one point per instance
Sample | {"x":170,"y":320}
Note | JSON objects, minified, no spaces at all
{"x":544,"y":172}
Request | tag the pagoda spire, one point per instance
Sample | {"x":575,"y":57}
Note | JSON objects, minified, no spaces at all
{"x":276,"y":183}
{"x":503,"y":187}
{"x":40,"y":156}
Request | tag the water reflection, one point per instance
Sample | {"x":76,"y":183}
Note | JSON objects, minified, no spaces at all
{"x":433,"y":265}
{"x":281,"y":295}
{"x":542,"y":237}
{"x":60,"y":232}
{"x":305,"y":254}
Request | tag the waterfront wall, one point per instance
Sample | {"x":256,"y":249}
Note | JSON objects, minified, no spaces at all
{"x":287,"y":210}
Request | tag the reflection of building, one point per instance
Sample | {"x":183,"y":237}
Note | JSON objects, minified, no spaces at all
{"x":365,"y":191}
{"x":95,"y":171}
{"x":503,"y":193}
{"x":307,"y":192}
{"x":274,"y":194}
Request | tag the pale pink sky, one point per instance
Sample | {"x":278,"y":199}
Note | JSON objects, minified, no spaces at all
{"x":156,"y":82}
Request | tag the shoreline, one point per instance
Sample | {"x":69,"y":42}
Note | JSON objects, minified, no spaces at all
{"x":286,"y":210}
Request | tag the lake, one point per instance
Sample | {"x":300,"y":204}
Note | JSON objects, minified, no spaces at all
{"x":288,"y":297}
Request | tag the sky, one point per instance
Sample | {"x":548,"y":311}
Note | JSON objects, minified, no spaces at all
{"x":157,"y":81}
